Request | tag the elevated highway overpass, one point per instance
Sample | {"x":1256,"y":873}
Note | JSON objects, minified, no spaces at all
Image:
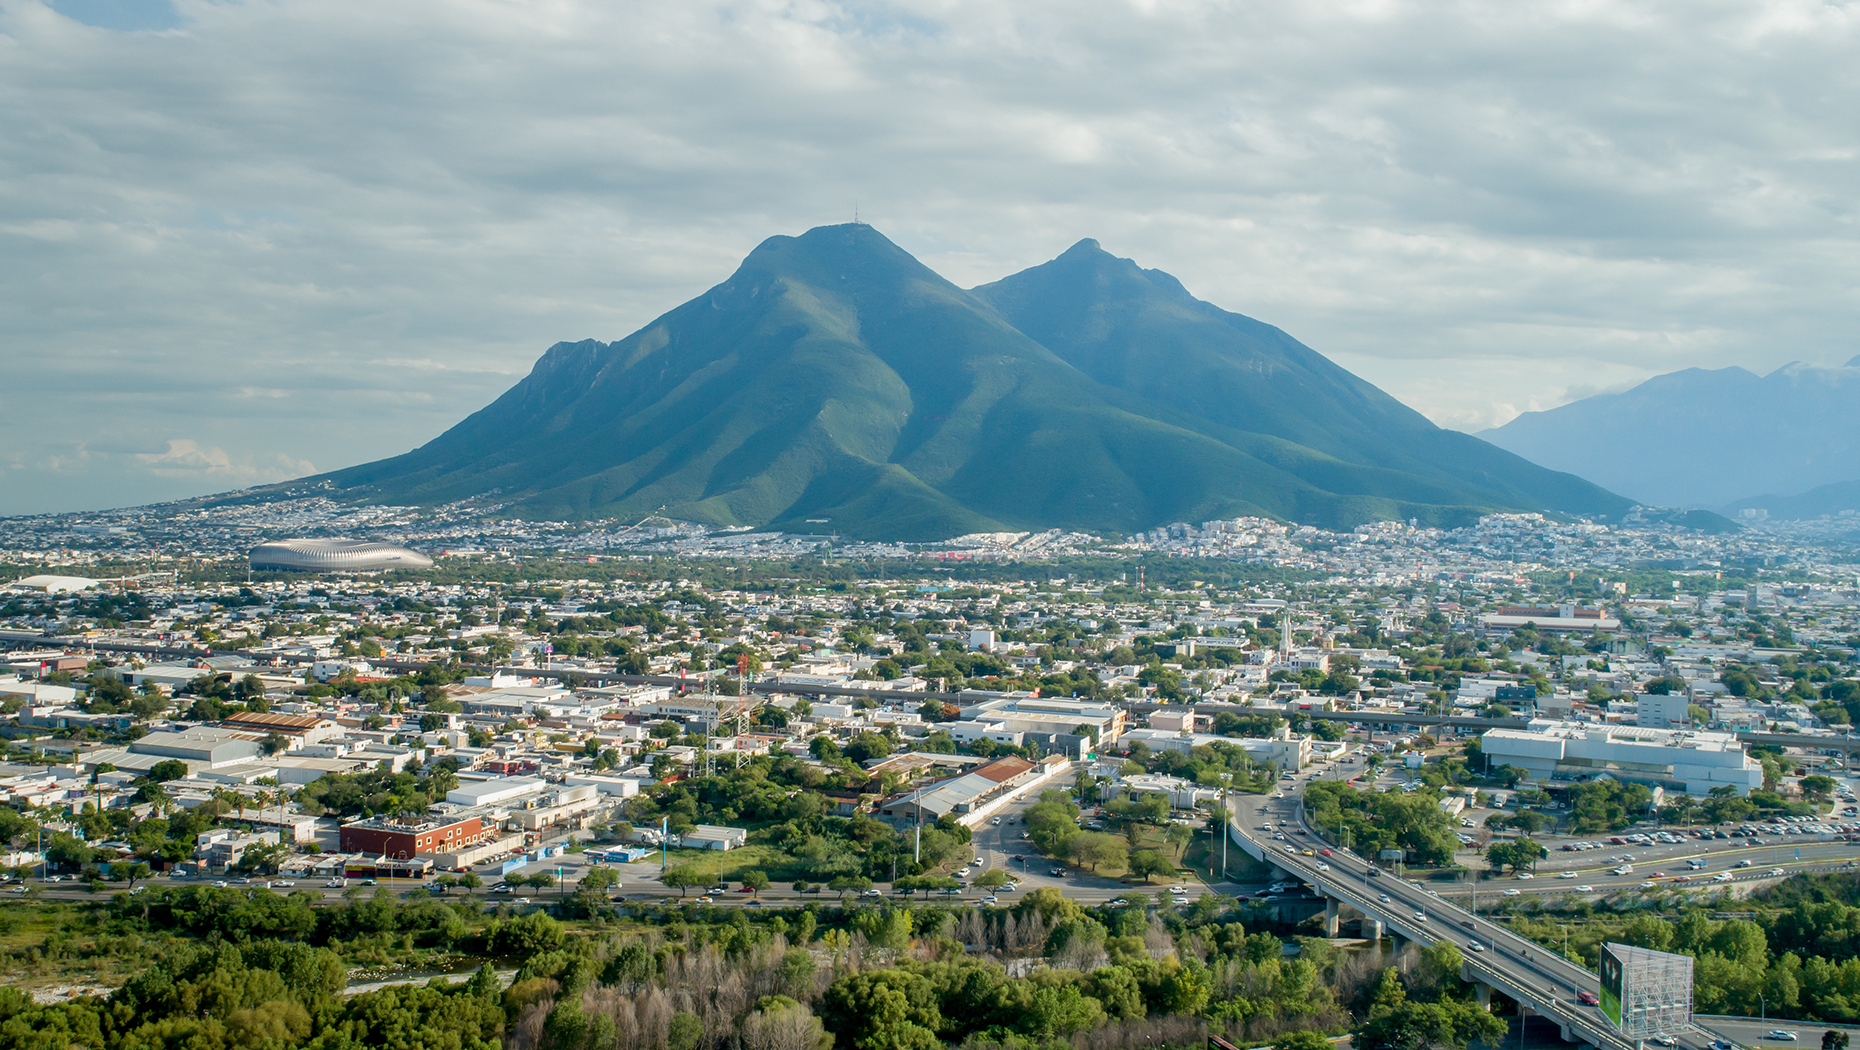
{"x":1542,"y":983}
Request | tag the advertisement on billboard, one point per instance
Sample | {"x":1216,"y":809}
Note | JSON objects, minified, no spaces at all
{"x":1645,"y":993}
{"x":1611,"y":986}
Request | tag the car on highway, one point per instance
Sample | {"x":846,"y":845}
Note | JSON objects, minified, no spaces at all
{"x":1780,"y":1036}
{"x":718,"y":889}
{"x":1525,"y":875}
{"x":962,"y":873}
{"x":1663,"y":1040}
{"x":1325,"y":852}
{"x":701,"y":900}
{"x":1288,"y":849}
{"x":1323,"y":867}
{"x":1585,"y":889}
{"x":1384,"y":898}
{"x":1475,"y":946}
{"x":521,"y":900}
{"x":1309,"y":853}
{"x":1567,"y":875}
{"x":1720,"y":1044}
{"x":1587,"y":998}
{"x":1420,"y":916}
{"x":1513,"y":893}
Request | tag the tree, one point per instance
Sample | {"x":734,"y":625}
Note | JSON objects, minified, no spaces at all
{"x":1145,"y":863}
{"x":844,"y":884}
{"x":868,"y":746}
{"x":992,"y":878}
{"x":1834,"y":1039}
{"x":1303,"y":1039}
{"x":1515,"y":855}
{"x":756,"y":881}
{"x":1818,"y":787}
{"x":685,"y":876}
{"x":823,"y":748}
{"x":168,"y":769}
{"x":598,"y":880}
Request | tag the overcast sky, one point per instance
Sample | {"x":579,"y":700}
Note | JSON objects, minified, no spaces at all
{"x":244,"y":241}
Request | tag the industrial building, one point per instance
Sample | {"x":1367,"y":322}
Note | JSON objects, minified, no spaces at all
{"x":305,"y":555}
{"x":201,"y":747}
{"x":1012,"y":714}
{"x":1677,"y":760}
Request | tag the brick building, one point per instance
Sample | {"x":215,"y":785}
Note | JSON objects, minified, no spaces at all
{"x":411,"y":836}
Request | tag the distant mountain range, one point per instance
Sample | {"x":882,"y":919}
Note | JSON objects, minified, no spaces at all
{"x":834,"y":383}
{"x":1719,"y":438}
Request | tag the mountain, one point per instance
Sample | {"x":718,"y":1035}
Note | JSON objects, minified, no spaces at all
{"x":1841,"y":499}
{"x":1704,"y":437}
{"x":1140,"y":330}
{"x":835,"y":383}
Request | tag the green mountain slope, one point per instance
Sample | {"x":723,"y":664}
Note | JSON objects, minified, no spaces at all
{"x":1140,"y":330}
{"x":833,"y":376}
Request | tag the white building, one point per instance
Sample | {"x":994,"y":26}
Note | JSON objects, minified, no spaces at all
{"x":1667,"y":711}
{"x":493,"y":792}
{"x":1286,"y":750}
{"x":1678,"y":760}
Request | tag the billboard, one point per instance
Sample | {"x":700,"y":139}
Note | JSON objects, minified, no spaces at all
{"x":1643,"y":992}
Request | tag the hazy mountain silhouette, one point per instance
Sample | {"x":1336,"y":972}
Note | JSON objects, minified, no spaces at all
{"x":1704,"y":437}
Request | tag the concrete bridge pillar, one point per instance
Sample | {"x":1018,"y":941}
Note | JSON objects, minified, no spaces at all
{"x":1483,"y":993}
{"x":1372,"y":929}
{"x":1330,"y":916}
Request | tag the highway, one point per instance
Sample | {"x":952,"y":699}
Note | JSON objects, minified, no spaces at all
{"x":1544,"y":982}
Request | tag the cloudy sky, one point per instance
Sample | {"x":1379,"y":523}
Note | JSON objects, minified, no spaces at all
{"x":244,"y":240}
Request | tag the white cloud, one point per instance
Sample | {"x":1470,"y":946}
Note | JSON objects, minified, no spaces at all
{"x":327,"y":230}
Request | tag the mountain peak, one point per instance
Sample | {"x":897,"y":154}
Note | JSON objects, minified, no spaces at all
{"x":835,"y":377}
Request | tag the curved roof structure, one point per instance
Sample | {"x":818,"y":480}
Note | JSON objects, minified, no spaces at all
{"x":336,"y":556}
{"x":55,"y":584}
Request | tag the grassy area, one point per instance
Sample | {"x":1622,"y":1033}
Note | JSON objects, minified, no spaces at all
{"x":729,"y":865}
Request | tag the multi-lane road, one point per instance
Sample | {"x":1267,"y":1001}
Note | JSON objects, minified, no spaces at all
{"x":1548,"y":984}
{"x":1543,"y":982}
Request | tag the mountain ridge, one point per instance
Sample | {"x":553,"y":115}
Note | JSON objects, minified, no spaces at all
{"x":1704,"y":437}
{"x":833,"y":375}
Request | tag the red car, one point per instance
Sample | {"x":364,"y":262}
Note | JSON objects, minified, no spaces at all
{"x":1587,"y":998}
{"x":1325,"y":852}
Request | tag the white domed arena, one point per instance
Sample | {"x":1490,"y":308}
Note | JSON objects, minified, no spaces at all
{"x":335,"y":556}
